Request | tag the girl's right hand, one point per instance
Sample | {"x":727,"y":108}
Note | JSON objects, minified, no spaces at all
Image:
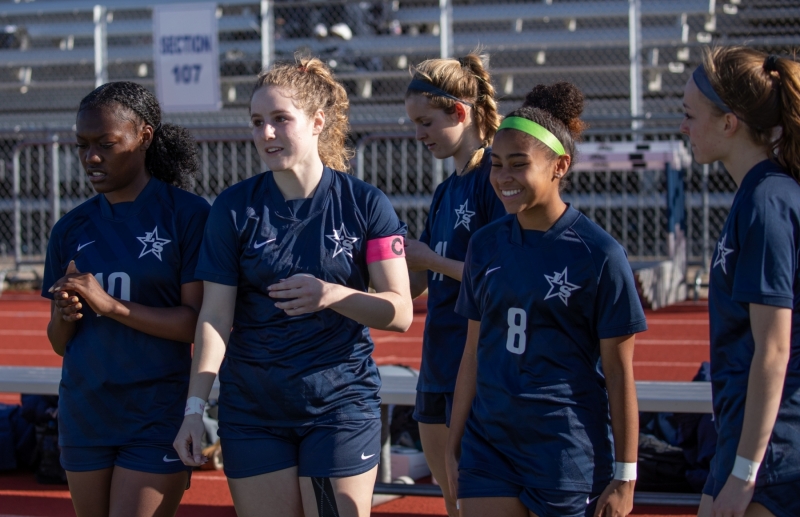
{"x":188,"y":443}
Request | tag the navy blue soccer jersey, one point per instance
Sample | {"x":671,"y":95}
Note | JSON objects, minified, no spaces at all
{"x":544,"y":301}
{"x":756,"y":261}
{"x":285,"y":370}
{"x":461,"y":205}
{"x":119,"y":385}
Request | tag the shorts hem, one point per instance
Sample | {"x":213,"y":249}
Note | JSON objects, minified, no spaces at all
{"x":257,"y":471}
{"x":423,"y":419}
{"x":340,"y":473}
{"x":87,"y":468}
{"x":479,"y":494}
{"x":180,"y":467}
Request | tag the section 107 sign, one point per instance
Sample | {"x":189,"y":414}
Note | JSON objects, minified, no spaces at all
{"x":186,"y":57}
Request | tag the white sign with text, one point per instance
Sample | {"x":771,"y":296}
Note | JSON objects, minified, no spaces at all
{"x":186,"y":57}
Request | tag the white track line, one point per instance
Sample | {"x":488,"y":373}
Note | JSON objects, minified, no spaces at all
{"x":22,"y":351}
{"x":695,"y":364}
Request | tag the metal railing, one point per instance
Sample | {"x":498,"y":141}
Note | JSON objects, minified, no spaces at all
{"x":630,"y":203}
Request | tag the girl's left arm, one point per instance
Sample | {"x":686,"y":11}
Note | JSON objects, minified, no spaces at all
{"x":617,"y":356}
{"x":388,"y":308}
{"x":175,"y":323}
{"x":772,"y":329}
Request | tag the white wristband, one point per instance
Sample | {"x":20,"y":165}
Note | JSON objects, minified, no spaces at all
{"x":194,"y":406}
{"x":625,"y":471}
{"x":745,"y":469}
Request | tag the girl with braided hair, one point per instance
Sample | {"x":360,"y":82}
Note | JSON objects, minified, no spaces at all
{"x":120,"y":271}
{"x":451,"y":102}
{"x":742,"y":107}
{"x":287,"y":259}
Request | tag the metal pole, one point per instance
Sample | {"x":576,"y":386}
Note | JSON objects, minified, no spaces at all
{"x":55,"y":183}
{"x":267,"y":34}
{"x":445,"y":28}
{"x":385,"y":466}
{"x":706,"y":243}
{"x":635,"y":56}
{"x":17,"y":209}
{"x":100,"y":45}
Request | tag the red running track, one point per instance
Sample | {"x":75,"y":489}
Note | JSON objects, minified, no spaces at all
{"x":672,"y":349}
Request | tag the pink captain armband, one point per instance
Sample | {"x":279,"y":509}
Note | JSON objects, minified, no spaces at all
{"x":385,"y":248}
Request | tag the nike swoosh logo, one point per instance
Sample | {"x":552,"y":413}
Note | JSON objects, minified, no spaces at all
{"x":81,"y":246}
{"x":493,"y":269}
{"x":366,"y":457}
{"x":168,"y":460}
{"x":257,"y":245}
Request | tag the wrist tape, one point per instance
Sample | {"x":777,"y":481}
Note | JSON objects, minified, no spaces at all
{"x":625,"y":471}
{"x":194,"y":406}
{"x":745,"y":469}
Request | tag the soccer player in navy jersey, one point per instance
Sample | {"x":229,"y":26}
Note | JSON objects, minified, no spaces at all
{"x":547,"y":371}
{"x":287,"y":259}
{"x":120,"y":270}
{"x":452,"y":105}
{"x":742,"y":108}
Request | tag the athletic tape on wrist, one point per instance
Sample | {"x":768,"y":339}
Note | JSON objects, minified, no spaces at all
{"x":194,"y":406}
{"x":745,"y":469}
{"x":625,"y":471}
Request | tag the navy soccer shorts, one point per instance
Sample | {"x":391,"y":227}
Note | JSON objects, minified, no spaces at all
{"x":156,"y":458}
{"x":337,"y":449}
{"x":780,"y":499}
{"x":542,"y":502}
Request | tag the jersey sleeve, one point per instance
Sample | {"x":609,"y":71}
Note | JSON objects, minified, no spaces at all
{"x":383,"y":220}
{"x":192,"y":226}
{"x":618,"y":308}
{"x":219,"y":251}
{"x":766,"y":268}
{"x":491,"y":207}
{"x":52,"y":264}
{"x":467,"y":305}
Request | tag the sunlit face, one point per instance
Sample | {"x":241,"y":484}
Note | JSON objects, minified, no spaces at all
{"x":441,"y":133}
{"x":111,"y":146}
{"x":702,"y":124}
{"x":523,"y":172}
{"x":286,"y":138}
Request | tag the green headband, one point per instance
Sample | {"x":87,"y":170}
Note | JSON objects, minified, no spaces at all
{"x":535,"y":130}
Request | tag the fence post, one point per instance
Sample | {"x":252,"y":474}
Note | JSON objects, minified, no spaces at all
{"x":635,"y":57}
{"x":17,"y":207}
{"x":706,"y":249}
{"x":445,"y":28}
{"x":100,"y":45}
{"x":55,"y":182}
{"x":267,"y":34}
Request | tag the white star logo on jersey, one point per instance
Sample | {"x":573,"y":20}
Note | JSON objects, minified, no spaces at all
{"x":464,"y":216}
{"x":344,"y":243}
{"x":722,"y":252}
{"x":152,"y":243}
{"x":559,"y":286}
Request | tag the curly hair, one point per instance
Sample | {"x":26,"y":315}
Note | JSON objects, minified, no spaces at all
{"x":465,"y":78}
{"x":314,"y":87}
{"x":172,"y":155}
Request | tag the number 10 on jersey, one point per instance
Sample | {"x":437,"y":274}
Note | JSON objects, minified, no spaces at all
{"x":517,"y":325}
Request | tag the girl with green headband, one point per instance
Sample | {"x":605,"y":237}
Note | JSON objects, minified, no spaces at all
{"x":547,"y":371}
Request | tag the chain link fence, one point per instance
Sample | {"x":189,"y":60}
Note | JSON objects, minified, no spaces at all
{"x":41,"y":179}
